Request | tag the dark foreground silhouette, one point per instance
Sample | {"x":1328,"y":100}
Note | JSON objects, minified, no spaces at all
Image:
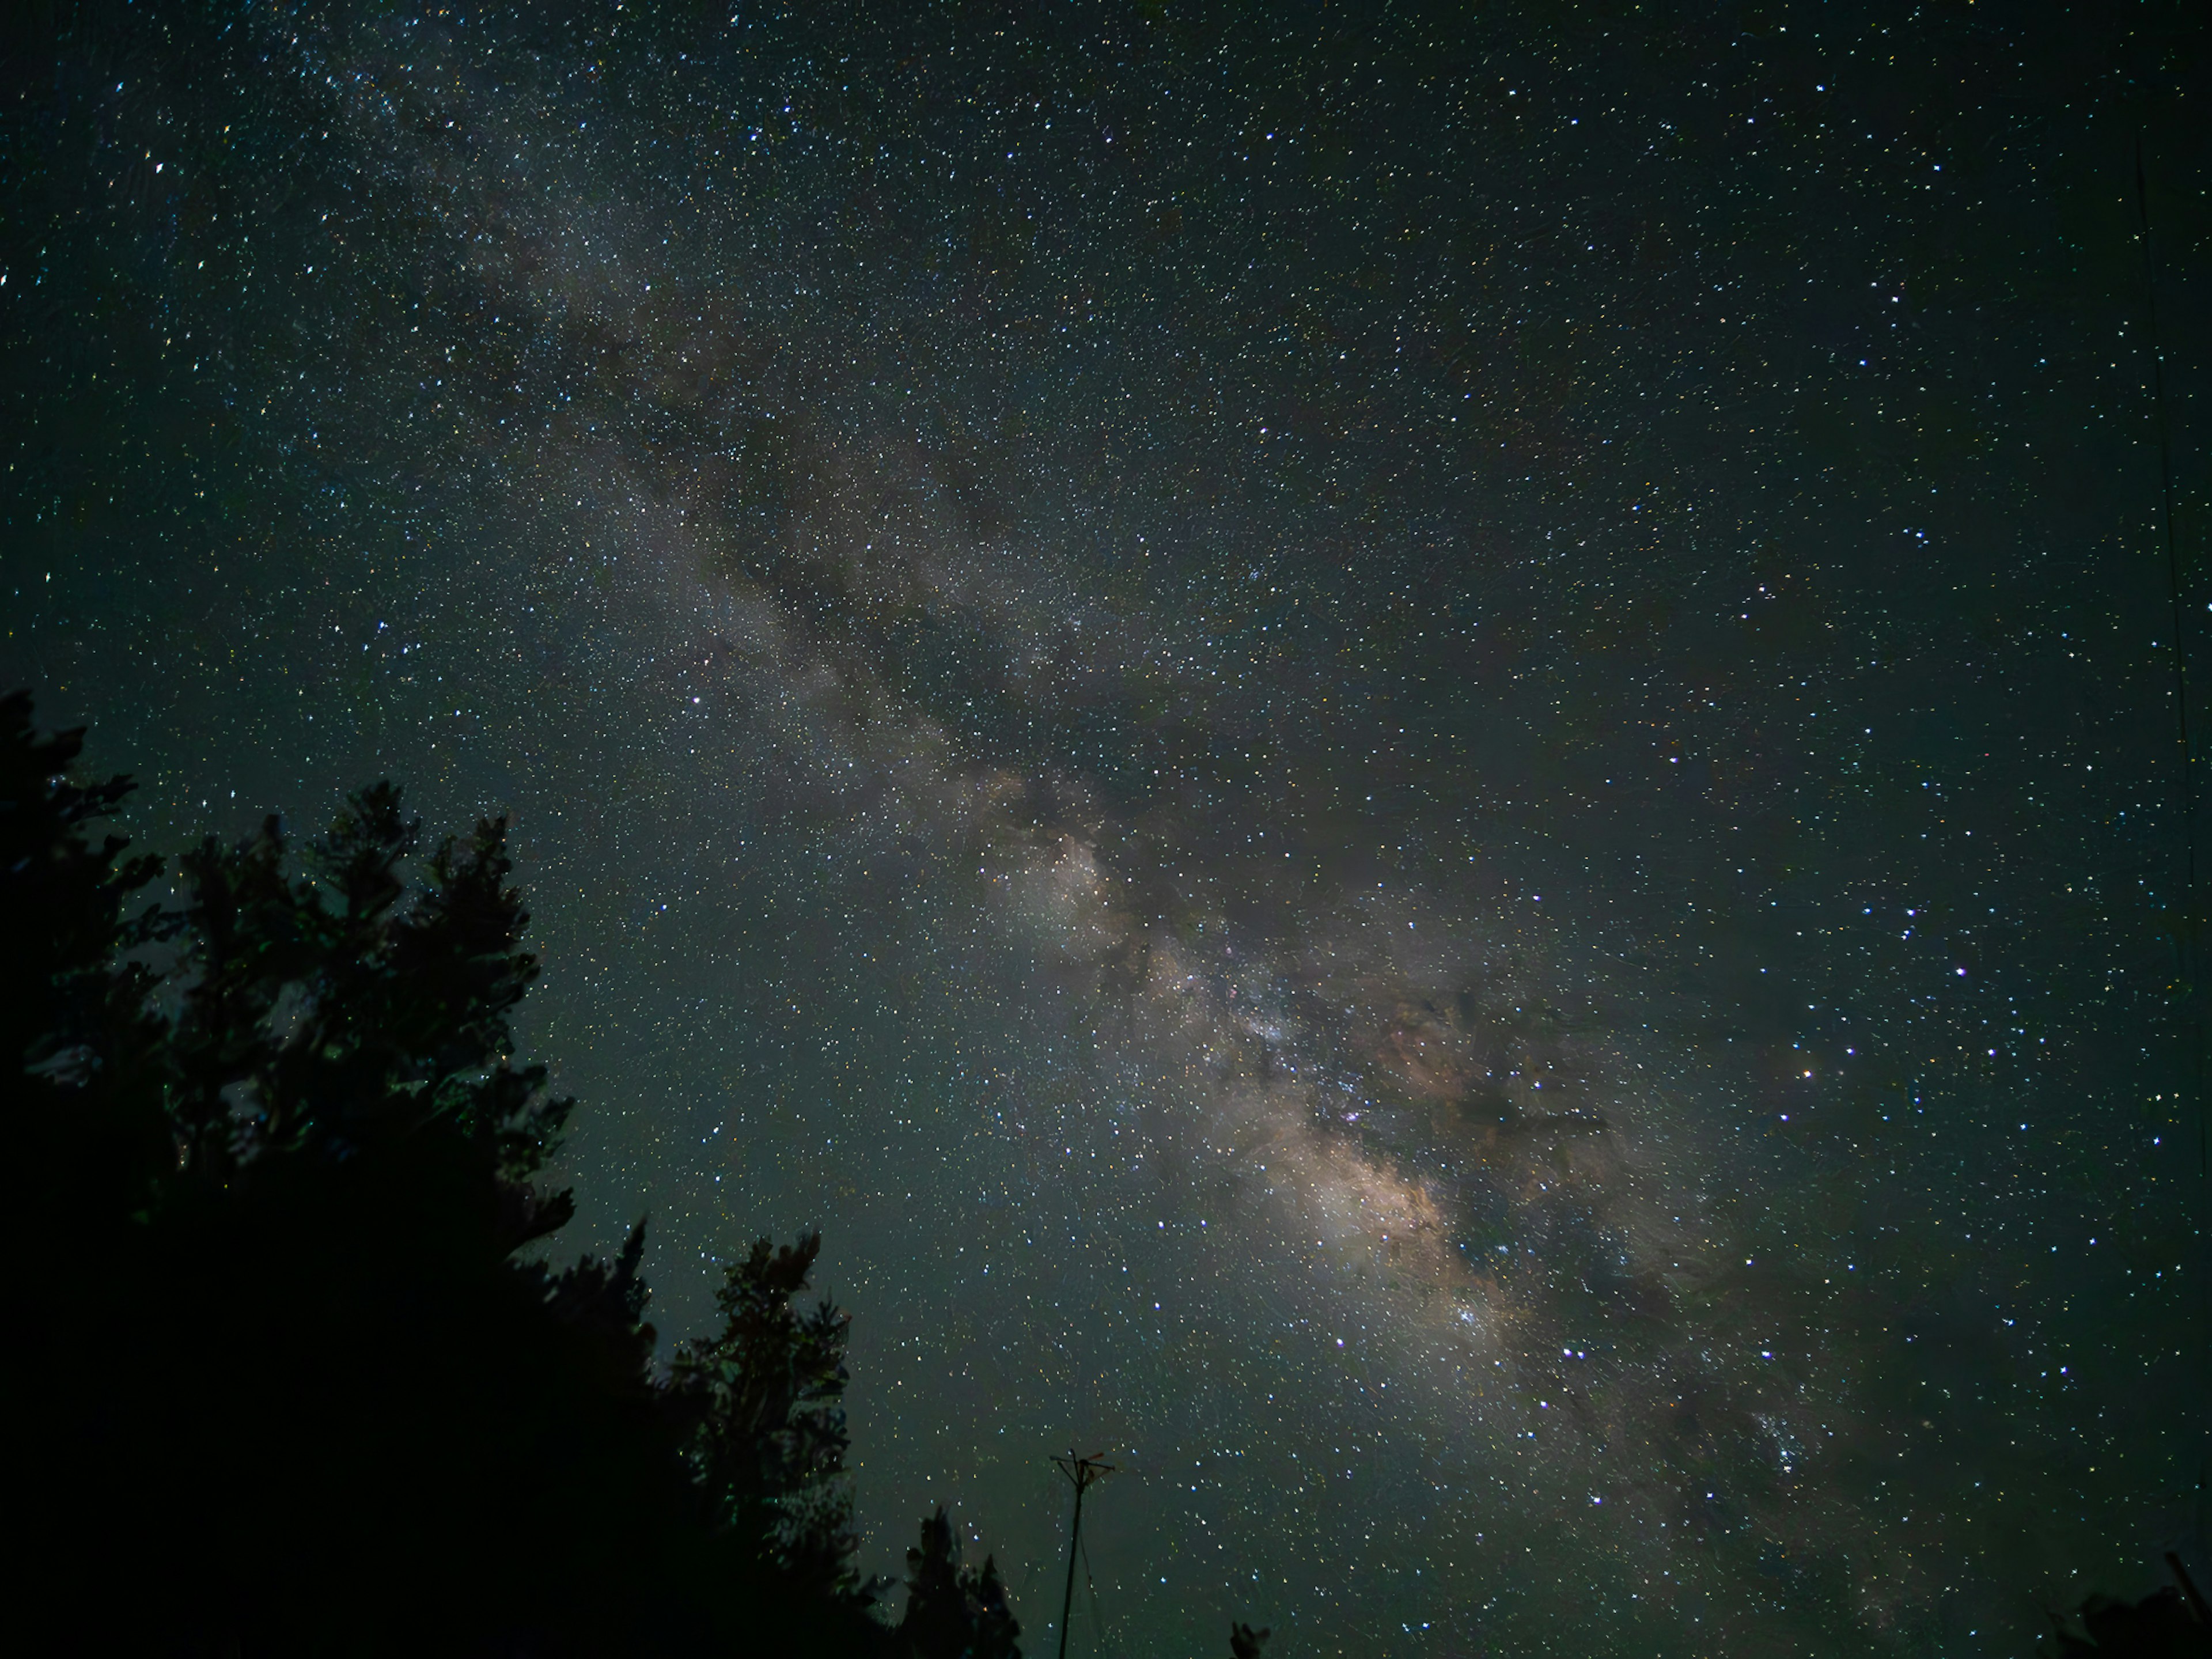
{"x":278,"y":1382}
{"x":2174,"y":1623}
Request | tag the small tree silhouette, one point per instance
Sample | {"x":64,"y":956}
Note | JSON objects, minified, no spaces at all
{"x":766,"y":1434}
{"x":2171,"y":1623}
{"x":954,"y":1611}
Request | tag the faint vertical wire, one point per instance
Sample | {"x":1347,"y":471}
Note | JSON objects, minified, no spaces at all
{"x":2185,"y":940}
{"x":1047,"y":1498}
{"x":1098,"y":1620}
{"x":2184,"y":934}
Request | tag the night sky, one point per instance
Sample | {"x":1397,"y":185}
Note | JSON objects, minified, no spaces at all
{"x":1424,"y":767}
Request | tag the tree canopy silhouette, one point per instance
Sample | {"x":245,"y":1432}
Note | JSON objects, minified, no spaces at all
{"x":281,"y":1382}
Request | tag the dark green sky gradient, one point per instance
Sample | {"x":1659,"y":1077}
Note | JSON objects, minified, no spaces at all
{"x":1112,"y":631}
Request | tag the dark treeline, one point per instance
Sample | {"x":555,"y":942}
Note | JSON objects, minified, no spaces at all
{"x":280,"y":1383}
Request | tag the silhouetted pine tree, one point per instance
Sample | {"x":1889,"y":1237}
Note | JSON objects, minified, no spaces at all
{"x":77,"y":1030}
{"x":766,"y":1434}
{"x":277,"y":1382}
{"x":954,"y":1611}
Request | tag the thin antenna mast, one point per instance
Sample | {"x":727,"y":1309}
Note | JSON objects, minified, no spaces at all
{"x":1083,"y":1473}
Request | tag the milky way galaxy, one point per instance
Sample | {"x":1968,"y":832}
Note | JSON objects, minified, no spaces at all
{"x":1423,"y":768}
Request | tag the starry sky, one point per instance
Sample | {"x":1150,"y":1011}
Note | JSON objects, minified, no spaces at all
{"x":1421,"y":765}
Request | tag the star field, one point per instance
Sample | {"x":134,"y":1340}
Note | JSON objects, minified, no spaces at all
{"x":1423,"y":764}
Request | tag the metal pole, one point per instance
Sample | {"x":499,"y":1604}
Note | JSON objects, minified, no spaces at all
{"x":1082,"y":1474}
